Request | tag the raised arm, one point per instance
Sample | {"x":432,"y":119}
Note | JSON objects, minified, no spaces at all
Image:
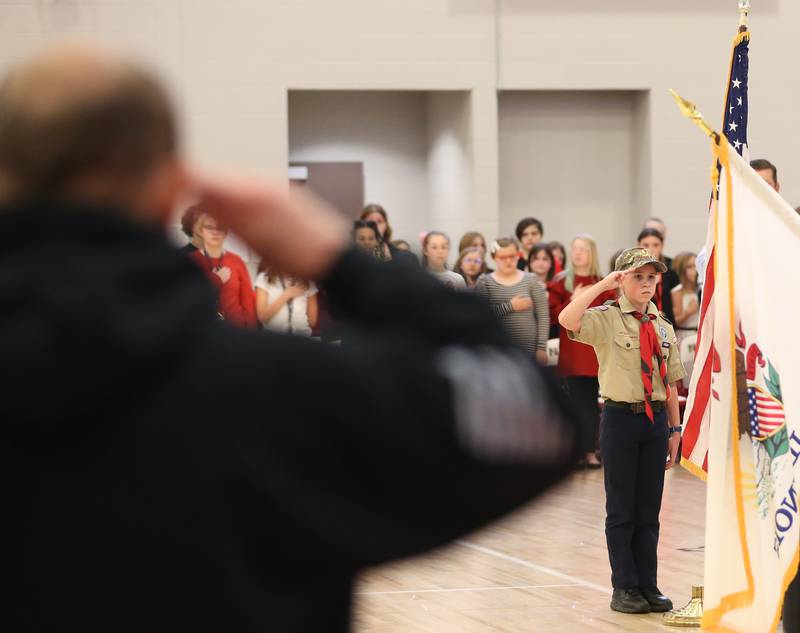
{"x":570,"y":317}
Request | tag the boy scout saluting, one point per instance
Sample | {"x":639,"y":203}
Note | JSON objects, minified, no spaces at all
{"x":638,"y":357}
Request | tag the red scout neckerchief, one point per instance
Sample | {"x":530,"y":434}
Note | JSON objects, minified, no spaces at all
{"x":649,"y":347}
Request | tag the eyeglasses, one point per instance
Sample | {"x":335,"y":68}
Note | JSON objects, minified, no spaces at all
{"x":477,"y":262}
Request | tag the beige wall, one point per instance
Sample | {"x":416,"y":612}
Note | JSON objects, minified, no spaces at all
{"x":232,"y":62}
{"x":387,"y":131}
{"x":568,"y":158}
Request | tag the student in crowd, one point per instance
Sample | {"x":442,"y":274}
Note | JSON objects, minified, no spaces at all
{"x":227,"y":272}
{"x":542,"y":264}
{"x":191,"y":228}
{"x":367,"y":237}
{"x":435,"y":252}
{"x":767,"y":171}
{"x":560,"y":255}
{"x":285,"y":304}
{"x":653,"y":241}
{"x":641,"y":431}
{"x":518,"y":298}
{"x":470,"y":265}
{"x":401,"y":245}
{"x":686,"y":302}
{"x":577,"y":363}
{"x":474,"y":239}
{"x":529,"y":232}
{"x":659,"y":225}
{"x":377,"y":214}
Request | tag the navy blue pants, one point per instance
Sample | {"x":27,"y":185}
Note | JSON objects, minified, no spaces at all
{"x":634,"y":454}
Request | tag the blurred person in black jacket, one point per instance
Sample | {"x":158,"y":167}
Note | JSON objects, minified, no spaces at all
{"x":164,"y":471}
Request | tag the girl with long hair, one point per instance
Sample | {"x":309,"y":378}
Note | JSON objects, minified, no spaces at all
{"x":473,"y":239}
{"x":560,"y":254}
{"x":435,"y":251}
{"x":227,"y":272}
{"x":541,"y":263}
{"x":686,"y":301}
{"x":652,"y":240}
{"x":367,"y":236}
{"x":577,"y":363}
{"x":285,"y":304}
{"x":470,"y":265}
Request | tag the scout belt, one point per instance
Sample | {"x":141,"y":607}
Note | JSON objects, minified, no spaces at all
{"x":636,"y":407}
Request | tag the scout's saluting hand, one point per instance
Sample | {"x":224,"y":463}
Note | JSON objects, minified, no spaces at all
{"x":570,"y":317}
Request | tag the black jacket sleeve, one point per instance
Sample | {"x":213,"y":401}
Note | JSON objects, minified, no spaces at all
{"x":425,"y":425}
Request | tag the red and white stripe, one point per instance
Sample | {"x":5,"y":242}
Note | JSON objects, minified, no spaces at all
{"x":770,"y":414}
{"x":697,"y":416}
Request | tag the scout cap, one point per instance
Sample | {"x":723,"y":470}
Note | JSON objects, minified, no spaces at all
{"x":634,"y":258}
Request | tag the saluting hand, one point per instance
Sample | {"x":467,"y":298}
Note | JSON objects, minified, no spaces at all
{"x":614,"y":280}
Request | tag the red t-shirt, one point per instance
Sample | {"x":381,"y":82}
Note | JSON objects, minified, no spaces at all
{"x":574,"y":359}
{"x":237,"y":300}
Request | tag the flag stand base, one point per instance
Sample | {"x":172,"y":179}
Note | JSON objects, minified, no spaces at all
{"x":689,"y":616}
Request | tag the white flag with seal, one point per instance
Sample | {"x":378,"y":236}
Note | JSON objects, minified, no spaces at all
{"x":752,"y":525}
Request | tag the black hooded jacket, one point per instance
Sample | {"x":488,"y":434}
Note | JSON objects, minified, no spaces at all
{"x":163,"y":471}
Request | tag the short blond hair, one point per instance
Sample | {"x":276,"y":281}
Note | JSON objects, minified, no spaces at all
{"x":75,"y":112}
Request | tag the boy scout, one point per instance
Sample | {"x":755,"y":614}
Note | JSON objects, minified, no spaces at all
{"x":640,"y":430}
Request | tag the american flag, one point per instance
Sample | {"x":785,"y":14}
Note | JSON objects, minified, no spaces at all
{"x":734,"y":124}
{"x":766,"y":413}
{"x":694,"y":451}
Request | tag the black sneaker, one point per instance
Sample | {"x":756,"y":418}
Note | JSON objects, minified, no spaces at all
{"x":658,"y":601}
{"x":629,"y":601}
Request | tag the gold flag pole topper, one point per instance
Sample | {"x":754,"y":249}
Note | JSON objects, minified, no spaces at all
{"x":689,"y":110}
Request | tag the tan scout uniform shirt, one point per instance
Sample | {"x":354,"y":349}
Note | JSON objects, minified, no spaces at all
{"x":614,"y":334}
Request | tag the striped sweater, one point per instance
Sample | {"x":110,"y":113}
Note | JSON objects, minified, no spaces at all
{"x":529,"y":329}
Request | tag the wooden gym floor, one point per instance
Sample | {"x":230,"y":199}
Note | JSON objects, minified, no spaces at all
{"x":543,"y":569}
